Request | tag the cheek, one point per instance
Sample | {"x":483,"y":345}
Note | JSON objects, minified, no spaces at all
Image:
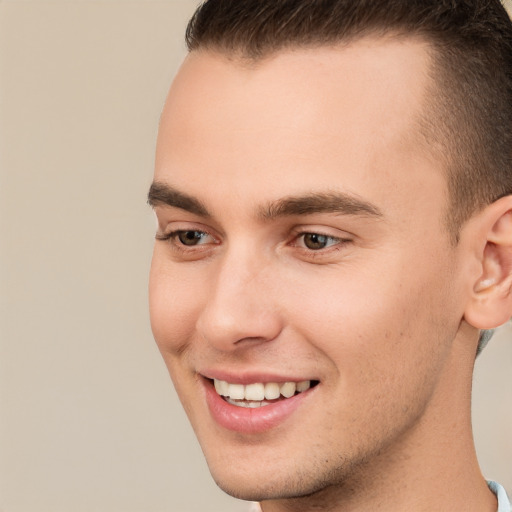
{"x":173,"y":305}
{"x":383,"y":352}
{"x":377,"y":325}
{"x":346,"y":303}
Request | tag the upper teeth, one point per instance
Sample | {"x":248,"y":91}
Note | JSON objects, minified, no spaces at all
{"x":259,"y":391}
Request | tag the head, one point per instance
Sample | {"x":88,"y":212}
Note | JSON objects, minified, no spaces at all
{"x":331,"y":189}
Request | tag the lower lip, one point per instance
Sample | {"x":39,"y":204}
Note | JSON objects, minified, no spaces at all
{"x":248,"y":420}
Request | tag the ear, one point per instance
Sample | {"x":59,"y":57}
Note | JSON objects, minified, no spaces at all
{"x":490,"y":303}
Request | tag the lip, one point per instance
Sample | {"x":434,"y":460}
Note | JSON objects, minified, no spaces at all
{"x":248,"y":420}
{"x":251,"y":377}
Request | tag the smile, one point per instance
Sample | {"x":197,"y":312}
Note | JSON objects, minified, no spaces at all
{"x":259,"y":394}
{"x":255,"y":407}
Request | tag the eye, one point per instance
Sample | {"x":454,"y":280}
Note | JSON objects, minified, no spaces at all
{"x":182,"y":239}
{"x":317,"y":241}
{"x":190,"y":237}
{"x":189,"y":244}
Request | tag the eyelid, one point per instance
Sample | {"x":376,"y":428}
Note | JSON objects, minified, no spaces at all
{"x":168,"y":227}
{"x":323,"y":231}
{"x":342,"y":238}
{"x":175,"y":232}
{"x":328,"y":237}
{"x":338,"y":240}
{"x":170,"y":233}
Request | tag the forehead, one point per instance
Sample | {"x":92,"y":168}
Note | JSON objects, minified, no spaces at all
{"x":331,"y":117}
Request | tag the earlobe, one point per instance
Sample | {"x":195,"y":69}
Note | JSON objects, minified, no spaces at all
{"x":490,"y":304}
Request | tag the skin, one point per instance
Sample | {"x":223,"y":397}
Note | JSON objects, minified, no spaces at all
{"x":377,"y":316}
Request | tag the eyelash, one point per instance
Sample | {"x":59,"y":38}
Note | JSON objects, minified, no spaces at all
{"x":301,"y":235}
{"x":172,"y":238}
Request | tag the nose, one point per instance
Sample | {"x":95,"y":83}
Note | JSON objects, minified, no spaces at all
{"x":241,"y":305}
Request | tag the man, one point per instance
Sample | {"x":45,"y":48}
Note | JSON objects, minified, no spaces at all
{"x":332,"y":190}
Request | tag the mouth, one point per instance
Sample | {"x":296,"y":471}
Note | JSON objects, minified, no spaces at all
{"x":260,"y":394}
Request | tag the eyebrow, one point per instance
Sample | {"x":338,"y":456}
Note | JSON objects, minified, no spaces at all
{"x":328,"y":202}
{"x":163,"y":194}
{"x":308,"y":204}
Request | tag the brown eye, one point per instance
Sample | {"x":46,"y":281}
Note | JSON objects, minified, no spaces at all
{"x":190,"y":237}
{"x":315,"y":241}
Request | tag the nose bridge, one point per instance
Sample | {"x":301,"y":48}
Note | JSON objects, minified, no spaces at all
{"x":240,"y":304}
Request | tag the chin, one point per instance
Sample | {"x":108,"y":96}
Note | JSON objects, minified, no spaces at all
{"x":269,"y":485}
{"x":240,"y":483}
{"x":256,"y":492}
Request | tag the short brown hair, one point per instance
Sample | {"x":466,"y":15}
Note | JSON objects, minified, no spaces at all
{"x":469,"y":118}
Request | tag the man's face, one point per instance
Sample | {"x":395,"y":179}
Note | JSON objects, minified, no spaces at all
{"x":305,"y":242}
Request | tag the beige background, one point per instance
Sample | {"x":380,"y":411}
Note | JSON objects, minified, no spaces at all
{"x":88,"y":419}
